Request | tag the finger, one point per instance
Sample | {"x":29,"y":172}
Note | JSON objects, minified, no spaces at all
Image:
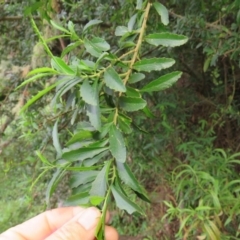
{"x":42,"y":225}
{"x":81,"y":227}
{"x":111,"y":233}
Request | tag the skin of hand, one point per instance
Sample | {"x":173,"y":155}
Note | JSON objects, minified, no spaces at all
{"x":68,"y":223}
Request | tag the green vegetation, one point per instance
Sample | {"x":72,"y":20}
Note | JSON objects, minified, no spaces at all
{"x":125,"y":101}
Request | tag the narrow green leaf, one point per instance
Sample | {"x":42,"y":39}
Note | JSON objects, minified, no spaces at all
{"x":163,"y":12}
{"x":89,"y":93}
{"x":77,"y":199}
{"x":113,"y":80}
{"x":42,"y":70}
{"x":82,"y":153}
{"x":55,"y":138}
{"x":79,"y":136}
{"x":80,"y":178}
{"x":70,"y":47}
{"x":59,"y":27}
{"x":132,"y":22}
{"x":133,"y":92}
{"x":121,"y":30}
{"x":162,"y":83}
{"x":166,"y":39}
{"x":131,"y":104}
{"x":31,"y":79}
{"x":93,"y":113}
{"x":117,"y":144}
{"x":99,"y":185}
{"x":128,"y":178}
{"x":39,"y":95}
{"x":61,"y":66}
{"x":57,"y":176}
{"x":136,"y":77}
{"x":123,"y":202}
{"x":91,"y":23}
{"x":153,"y":64}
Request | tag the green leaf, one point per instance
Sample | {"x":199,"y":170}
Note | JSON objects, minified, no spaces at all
{"x":96,"y":46}
{"x":163,"y":12}
{"x":153,"y":64}
{"x":91,"y":23}
{"x":29,"y":80}
{"x":139,"y":4}
{"x":39,"y":95}
{"x":99,"y":185}
{"x":82,"y":135}
{"x":166,"y":39}
{"x":128,"y":178}
{"x":82,"y":153}
{"x":113,"y":80}
{"x":80,"y":178}
{"x":70,"y":48}
{"x":93,"y":113}
{"x":121,"y":30}
{"x":162,"y":83}
{"x":61,"y":66}
{"x":117,"y":145}
{"x":133,"y":92}
{"x":136,"y":77}
{"x":77,"y":199}
{"x":124,"y":123}
{"x":57,"y":176}
{"x":96,"y":200}
{"x":89,"y":93}
{"x":59,"y":27}
{"x":131,"y":104}
{"x":132,"y":22}
{"x":123,"y":202}
{"x":55,"y":138}
{"x":46,"y":70}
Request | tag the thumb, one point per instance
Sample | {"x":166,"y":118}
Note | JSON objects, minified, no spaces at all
{"x":81,"y":227}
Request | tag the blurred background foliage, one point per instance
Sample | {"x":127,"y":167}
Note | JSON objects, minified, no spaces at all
{"x":186,"y":154}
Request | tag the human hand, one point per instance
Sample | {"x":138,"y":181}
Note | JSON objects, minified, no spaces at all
{"x":69,"y":223}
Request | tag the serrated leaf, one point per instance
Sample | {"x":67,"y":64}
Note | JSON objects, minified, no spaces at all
{"x":82,"y":153}
{"x":153,"y":64}
{"x":163,"y":12}
{"x":123,"y":202}
{"x":124,"y":124}
{"x":162,"y":83}
{"x":121,"y":30}
{"x":99,"y":185}
{"x":93,"y":113}
{"x":42,"y":70}
{"x":80,"y":178}
{"x":131,"y":104}
{"x":128,"y":178}
{"x":113,"y":80}
{"x":91,"y":23}
{"x":89,"y":93}
{"x":166,"y":39}
{"x":55,"y":138}
{"x":136,"y":77}
{"x":133,"y":92}
{"x":117,"y":145}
